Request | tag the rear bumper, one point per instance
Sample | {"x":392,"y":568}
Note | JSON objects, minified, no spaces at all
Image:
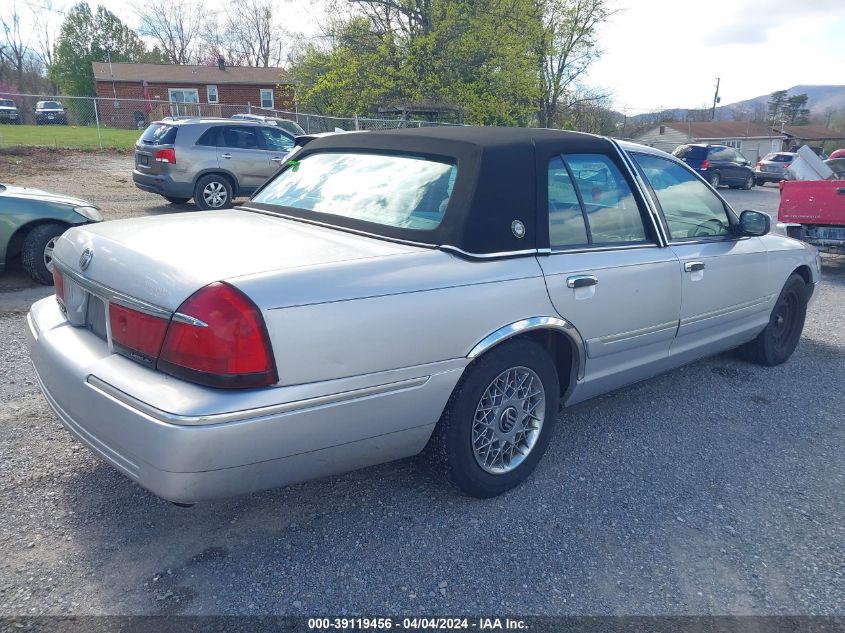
{"x":183,"y":459}
{"x":164,"y":185}
{"x":768,"y":176}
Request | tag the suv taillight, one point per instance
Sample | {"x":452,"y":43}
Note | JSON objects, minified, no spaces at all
{"x":218,"y":338}
{"x":59,"y":284}
{"x":166,"y":155}
{"x":705,"y":165}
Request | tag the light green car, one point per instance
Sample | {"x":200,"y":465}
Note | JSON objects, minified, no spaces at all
{"x":30,"y":223}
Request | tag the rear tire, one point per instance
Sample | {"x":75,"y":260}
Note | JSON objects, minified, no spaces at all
{"x":776,"y":343}
{"x":749,"y":183}
{"x":175,"y":200}
{"x":484,"y":443}
{"x":714,"y":180}
{"x":213,"y":191}
{"x":37,"y":251}
{"x":761,"y":182}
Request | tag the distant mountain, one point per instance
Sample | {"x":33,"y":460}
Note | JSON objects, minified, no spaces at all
{"x":821,"y":99}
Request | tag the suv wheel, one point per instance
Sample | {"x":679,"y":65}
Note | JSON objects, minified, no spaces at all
{"x":499,"y":420}
{"x":749,"y":183}
{"x":213,"y":192}
{"x":714,"y":180}
{"x":761,"y":182}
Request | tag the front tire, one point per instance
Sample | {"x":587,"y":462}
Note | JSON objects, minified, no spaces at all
{"x":37,"y":252}
{"x":213,"y":192}
{"x":776,"y":343}
{"x":499,"y":420}
{"x":749,"y":183}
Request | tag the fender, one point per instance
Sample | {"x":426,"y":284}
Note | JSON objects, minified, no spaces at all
{"x":535,"y":323}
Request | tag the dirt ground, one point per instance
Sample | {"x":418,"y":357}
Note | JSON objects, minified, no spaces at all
{"x":104,"y":178}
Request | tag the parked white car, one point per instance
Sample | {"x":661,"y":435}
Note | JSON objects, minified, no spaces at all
{"x":386,"y":291}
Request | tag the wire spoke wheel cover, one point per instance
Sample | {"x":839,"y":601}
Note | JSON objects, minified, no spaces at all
{"x":508,"y":420}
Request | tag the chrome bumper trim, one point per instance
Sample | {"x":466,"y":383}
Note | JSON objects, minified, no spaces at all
{"x":235,"y":416}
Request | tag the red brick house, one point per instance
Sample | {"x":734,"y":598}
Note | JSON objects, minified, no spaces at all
{"x":158,"y":90}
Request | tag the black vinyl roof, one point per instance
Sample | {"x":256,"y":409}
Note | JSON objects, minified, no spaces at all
{"x":498,"y":174}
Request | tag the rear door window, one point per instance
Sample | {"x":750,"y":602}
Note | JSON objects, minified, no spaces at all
{"x":210,"y":138}
{"x":567,"y":226}
{"x":241,"y":137}
{"x":613,"y":215}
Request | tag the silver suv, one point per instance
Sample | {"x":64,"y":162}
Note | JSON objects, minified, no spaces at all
{"x":212,"y":161}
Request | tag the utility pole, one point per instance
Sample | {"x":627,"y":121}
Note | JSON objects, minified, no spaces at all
{"x":715,"y":101}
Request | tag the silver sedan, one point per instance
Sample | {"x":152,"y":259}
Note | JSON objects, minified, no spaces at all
{"x":390,"y":292}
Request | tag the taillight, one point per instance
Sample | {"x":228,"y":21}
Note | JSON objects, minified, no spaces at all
{"x":758,"y":163}
{"x":59,"y":284}
{"x":218,"y":338}
{"x":705,"y":164}
{"x":136,"y":334}
{"x":167,"y":155}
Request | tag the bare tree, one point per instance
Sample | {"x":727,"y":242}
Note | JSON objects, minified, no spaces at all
{"x":14,"y":48}
{"x":44,"y":15}
{"x":175,"y":27}
{"x":567,"y":46}
{"x":246,"y":33}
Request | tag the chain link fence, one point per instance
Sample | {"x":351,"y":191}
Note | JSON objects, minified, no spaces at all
{"x":98,"y":122}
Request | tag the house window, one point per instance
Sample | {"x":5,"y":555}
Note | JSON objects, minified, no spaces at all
{"x":735,"y":144}
{"x":267,"y":98}
{"x":212,"y":94}
{"x":184,"y":101}
{"x":663,"y":129}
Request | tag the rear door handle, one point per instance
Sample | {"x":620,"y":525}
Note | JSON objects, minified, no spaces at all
{"x":691,"y":267}
{"x":581,"y":281}
{"x":226,"y":155}
{"x":277,"y":159}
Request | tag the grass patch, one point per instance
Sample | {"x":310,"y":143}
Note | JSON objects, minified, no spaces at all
{"x":67,"y":136}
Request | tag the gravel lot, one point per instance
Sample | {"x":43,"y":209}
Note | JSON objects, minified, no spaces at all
{"x":714,"y":489}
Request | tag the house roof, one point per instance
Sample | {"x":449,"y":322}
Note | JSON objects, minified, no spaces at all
{"x":811,"y":133}
{"x":709,"y":130}
{"x":172,"y":73}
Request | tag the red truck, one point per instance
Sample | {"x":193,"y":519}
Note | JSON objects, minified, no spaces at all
{"x":814,"y":211}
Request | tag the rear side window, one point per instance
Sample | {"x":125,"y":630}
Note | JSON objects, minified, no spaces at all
{"x":159,"y":134}
{"x":780,"y":158}
{"x":210,"y":138}
{"x":690,"y":151}
{"x":720,"y":153}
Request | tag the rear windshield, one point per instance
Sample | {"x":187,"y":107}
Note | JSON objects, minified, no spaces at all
{"x":779,"y":158}
{"x":409,"y":192}
{"x":690,"y":151}
{"x":159,"y":134}
{"x":8,"y":103}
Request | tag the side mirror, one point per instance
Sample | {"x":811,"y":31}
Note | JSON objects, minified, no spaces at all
{"x":754,"y":223}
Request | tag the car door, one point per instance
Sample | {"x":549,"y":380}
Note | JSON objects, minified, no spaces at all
{"x":724,"y":298}
{"x":606,"y":273}
{"x":278,"y":145}
{"x":241,"y":151}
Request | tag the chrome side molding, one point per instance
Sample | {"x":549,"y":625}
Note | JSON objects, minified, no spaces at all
{"x":528,"y":325}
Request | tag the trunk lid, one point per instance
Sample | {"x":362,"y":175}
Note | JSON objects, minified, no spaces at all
{"x":162,"y":260}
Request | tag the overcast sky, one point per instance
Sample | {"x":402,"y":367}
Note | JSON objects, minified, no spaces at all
{"x":668,"y":53}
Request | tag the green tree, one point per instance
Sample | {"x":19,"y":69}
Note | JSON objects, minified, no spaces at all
{"x":775,"y":106}
{"x":86,"y":37}
{"x":476,"y":56}
{"x":795,"y":111}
